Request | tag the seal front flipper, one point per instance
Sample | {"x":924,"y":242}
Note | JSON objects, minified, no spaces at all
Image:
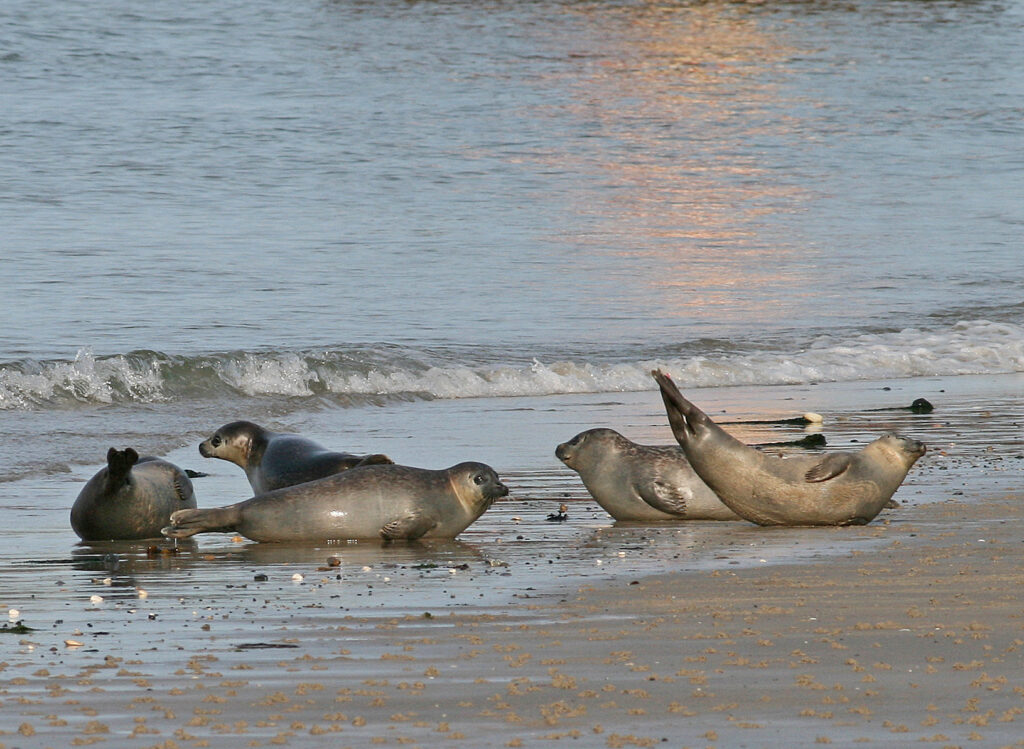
{"x":185,"y":523}
{"x":829,"y":467}
{"x":665,"y":497}
{"x":410,"y":527}
{"x":374,"y":460}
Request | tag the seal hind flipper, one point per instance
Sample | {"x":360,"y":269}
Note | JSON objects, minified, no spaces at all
{"x":680,"y":411}
{"x":409,"y":527}
{"x":185,"y":523}
{"x":829,"y":467}
{"x":119,"y":463}
{"x":665,"y":497}
{"x":374,"y":460}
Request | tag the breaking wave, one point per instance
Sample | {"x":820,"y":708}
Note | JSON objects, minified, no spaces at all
{"x":363,"y":374}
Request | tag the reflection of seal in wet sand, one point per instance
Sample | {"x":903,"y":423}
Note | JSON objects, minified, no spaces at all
{"x":834,"y":489}
{"x":272,"y":460}
{"x":375,"y":501}
{"x":131,"y":498}
{"x":638,"y":482}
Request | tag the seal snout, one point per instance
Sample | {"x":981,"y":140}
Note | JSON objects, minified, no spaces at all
{"x":563,"y":452}
{"x":204,"y":449}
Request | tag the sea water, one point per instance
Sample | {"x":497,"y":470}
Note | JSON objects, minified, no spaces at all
{"x":466,"y":231}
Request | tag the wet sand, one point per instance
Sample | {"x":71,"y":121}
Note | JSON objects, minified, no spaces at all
{"x":527,"y":633}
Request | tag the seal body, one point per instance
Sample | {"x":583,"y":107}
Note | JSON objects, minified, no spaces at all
{"x":640,"y":482}
{"x":387,"y":502}
{"x":131,"y":498}
{"x":837,"y":488}
{"x":273,"y":460}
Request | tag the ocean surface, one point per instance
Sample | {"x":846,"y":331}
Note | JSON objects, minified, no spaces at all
{"x":468,"y":230}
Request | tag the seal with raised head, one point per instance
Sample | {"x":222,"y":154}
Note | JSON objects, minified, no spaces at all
{"x":389,"y":502}
{"x":131,"y":498}
{"x":273,"y":460}
{"x":640,"y":482}
{"x":838,"y":488}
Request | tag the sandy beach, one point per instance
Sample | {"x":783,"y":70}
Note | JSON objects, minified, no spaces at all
{"x":528,"y":633}
{"x":920,"y":640}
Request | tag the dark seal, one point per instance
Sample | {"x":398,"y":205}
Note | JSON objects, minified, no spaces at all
{"x":131,"y":498}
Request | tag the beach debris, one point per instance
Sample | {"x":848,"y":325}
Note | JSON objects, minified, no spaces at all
{"x":810,"y":442}
{"x":264,"y":645}
{"x":13,"y":614}
{"x":73,"y":643}
{"x":808,"y":418}
{"x":917,"y":406}
{"x":497,"y":563}
{"x":142,"y":593}
{"x":195,"y":474}
{"x":260,"y":578}
{"x":95,"y":600}
{"x":16,"y":628}
{"x":333,"y":562}
{"x":561,"y":516}
{"x":297,"y":577}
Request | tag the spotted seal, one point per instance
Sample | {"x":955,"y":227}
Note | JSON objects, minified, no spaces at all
{"x":130,"y":498}
{"x":838,"y":488}
{"x":640,"y":482}
{"x":273,"y":460}
{"x":389,"y":502}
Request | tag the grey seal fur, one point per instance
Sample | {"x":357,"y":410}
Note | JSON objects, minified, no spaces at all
{"x":131,"y":498}
{"x":389,"y":502}
{"x":838,"y":488}
{"x":640,"y":482}
{"x":274,"y":460}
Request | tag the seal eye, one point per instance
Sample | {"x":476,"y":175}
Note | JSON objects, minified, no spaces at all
{"x":479,"y":479}
{"x":215,"y":441}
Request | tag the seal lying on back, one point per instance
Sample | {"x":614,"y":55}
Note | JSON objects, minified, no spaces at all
{"x":375,"y":501}
{"x":272,"y":460}
{"x":131,"y":498}
{"x":838,"y":488}
{"x":638,"y":482}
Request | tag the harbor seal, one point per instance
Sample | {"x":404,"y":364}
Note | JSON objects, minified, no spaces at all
{"x":131,"y":498}
{"x":389,"y":502}
{"x":273,"y":460}
{"x":837,"y":488}
{"x":640,"y":482}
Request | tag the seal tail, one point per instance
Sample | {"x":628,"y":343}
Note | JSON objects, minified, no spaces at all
{"x":185,"y":523}
{"x":682,"y":415}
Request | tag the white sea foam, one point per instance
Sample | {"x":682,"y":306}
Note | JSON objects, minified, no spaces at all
{"x":975,"y":347}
